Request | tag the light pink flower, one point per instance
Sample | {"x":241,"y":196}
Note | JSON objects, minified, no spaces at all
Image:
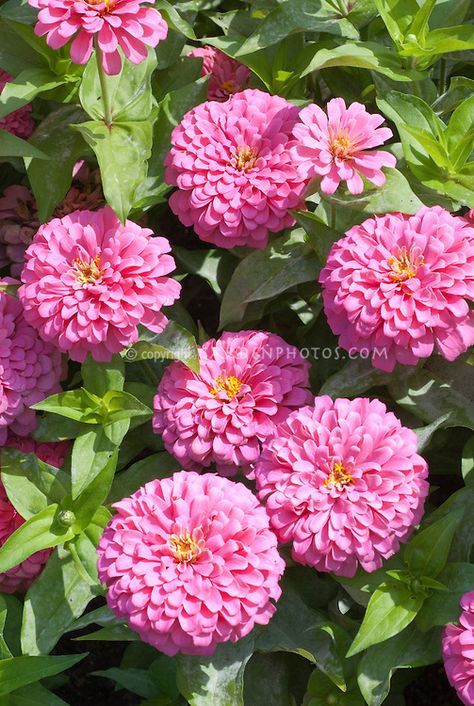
{"x":399,"y":285}
{"x":248,"y":382}
{"x":458,"y":651}
{"x":20,"y":122}
{"x":342,"y":481}
{"x":189,"y":562}
{"x":117,"y":23}
{"x":232,"y":166}
{"x":335,"y":146}
{"x":20,"y":577}
{"x":227,"y":76}
{"x":89,"y":281}
{"x":30,"y":369}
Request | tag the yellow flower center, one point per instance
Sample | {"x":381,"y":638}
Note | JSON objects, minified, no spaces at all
{"x":229,"y":86}
{"x":405,"y":265}
{"x":230,"y":385}
{"x":338,"y":477}
{"x":245,"y":158}
{"x":88,"y":272}
{"x":186,"y":548}
{"x":341,"y":146}
{"x":109,"y":4}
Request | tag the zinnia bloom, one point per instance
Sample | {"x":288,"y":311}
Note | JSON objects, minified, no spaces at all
{"x":20,"y":122}
{"x":248,"y":382}
{"x":189,"y":562}
{"x":232,"y":166}
{"x":343,"y":482}
{"x":458,"y":651}
{"x":227,"y":76}
{"x":21,"y":576}
{"x":398,"y":286}
{"x":19,"y":215}
{"x":117,"y":23}
{"x":30,"y":369}
{"x":335,"y":146}
{"x":89,"y":281}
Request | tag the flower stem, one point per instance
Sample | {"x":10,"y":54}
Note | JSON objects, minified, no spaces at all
{"x":442,"y":77}
{"x":108,"y":117}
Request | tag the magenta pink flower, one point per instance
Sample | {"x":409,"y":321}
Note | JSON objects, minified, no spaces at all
{"x":20,"y":577}
{"x":189,"y":562}
{"x":248,"y":382}
{"x":226,"y":75}
{"x":335,"y":146}
{"x":458,"y":651}
{"x":20,"y":122}
{"x":343,"y":482}
{"x":89,"y":281}
{"x":397,"y":286}
{"x":30,"y":369}
{"x":232,"y":166}
{"x":117,"y":23}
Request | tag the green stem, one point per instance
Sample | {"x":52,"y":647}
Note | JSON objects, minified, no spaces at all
{"x":108,"y":116}
{"x":333,"y":216}
{"x":442,"y":77}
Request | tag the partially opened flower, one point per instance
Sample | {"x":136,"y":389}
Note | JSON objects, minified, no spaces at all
{"x":189,"y":562}
{"x":116,"y":23}
{"x":89,"y":281}
{"x":20,"y":122}
{"x":20,"y":577}
{"x":337,"y":146}
{"x":30,"y":369}
{"x":342,"y":482}
{"x":226,"y":75}
{"x":458,"y":651}
{"x":399,"y":286}
{"x":232,"y":166}
{"x":248,"y":382}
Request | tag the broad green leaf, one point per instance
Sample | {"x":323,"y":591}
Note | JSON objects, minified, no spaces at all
{"x":467,"y":464}
{"x":285,"y":263}
{"x":174,"y":343}
{"x":91,"y":453}
{"x":419,"y":26}
{"x":12,"y":146}
{"x":391,"y":608}
{"x":138,"y":681}
{"x":19,"y":671}
{"x":449,"y":39}
{"x":26,"y":86}
{"x":320,"y":235}
{"x":34,"y":695}
{"x":79,"y":405}
{"x":19,"y":11}
{"x":122,"y":405}
{"x":425,"y":433}
{"x":460,"y":133}
{"x":159,"y":465}
{"x":16,"y":55}
{"x":93,"y":495}
{"x":354,"y":378}
{"x":57,"y":598}
{"x":441,"y":608}
{"x":215,"y":266}
{"x":174,"y":19}
{"x":266,"y":680}
{"x":459,"y":89}
{"x":397,"y":15}
{"x":52,"y":427}
{"x":427,"y":553}
{"x":463,"y":542}
{"x":100,"y":377}
{"x":217,"y":679}
{"x":321,"y":692}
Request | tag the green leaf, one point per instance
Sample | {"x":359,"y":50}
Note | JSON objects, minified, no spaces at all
{"x":12,"y":146}
{"x":17,"y":55}
{"x":391,"y":608}
{"x":286,"y":262}
{"x":427,"y":553}
{"x":467,"y":464}
{"x":91,"y":453}
{"x":34,"y":695}
{"x":267,"y":680}
{"x":19,"y":671}
{"x":174,"y":19}
{"x":460,"y":133}
{"x":19,"y":11}
{"x":425,"y":433}
{"x":321,"y":692}
{"x":215,"y":266}
{"x":419,"y":26}
{"x":320,"y":235}
{"x":57,"y":598}
{"x":138,"y":681}
{"x":448,"y":39}
{"x":100,"y":377}
{"x":441,"y":608}
{"x":218,"y":678}
{"x":122,"y":405}
{"x":94,"y":494}
{"x":80,"y":405}
{"x":26,"y":86}
{"x":122,"y":152}
{"x":462,"y":545}
{"x":159,"y":465}
{"x":355,"y":377}
{"x":459,"y":89}
{"x":397,"y":15}
{"x":174,"y":343}
{"x":52,"y":427}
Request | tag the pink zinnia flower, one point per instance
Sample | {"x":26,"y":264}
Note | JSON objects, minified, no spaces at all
{"x":117,"y":23}
{"x":189,"y":562}
{"x":458,"y":651}
{"x":20,"y":577}
{"x":89,"y":281}
{"x":30,"y":369}
{"x":227,"y":76}
{"x":335,"y":146}
{"x":343,"y":482}
{"x":232,"y":166}
{"x":20,"y":122}
{"x":398,"y":286}
{"x":248,"y":382}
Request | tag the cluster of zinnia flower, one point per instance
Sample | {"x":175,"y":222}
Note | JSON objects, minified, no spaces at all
{"x":458,"y":651}
{"x":20,"y":122}
{"x":19,"y":215}
{"x":226,"y":75}
{"x":20,"y":577}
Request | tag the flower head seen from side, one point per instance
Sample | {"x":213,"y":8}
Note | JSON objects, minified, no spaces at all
{"x":337,"y":146}
{"x":231,"y":163}
{"x":226,"y":75}
{"x":458,"y":651}
{"x":20,"y":122}
{"x":123,"y":24}
{"x":399,"y":287}
{"x":342,"y":482}
{"x":189,"y":561}
{"x":89,"y":281}
{"x":248,"y":382}
{"x":30,"y":369}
